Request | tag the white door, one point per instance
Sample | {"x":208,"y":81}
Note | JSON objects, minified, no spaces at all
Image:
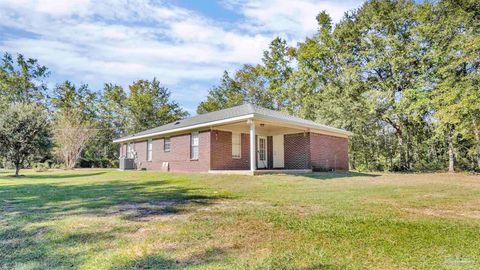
{"x":278,"y":152}
{"x":262,"y":152}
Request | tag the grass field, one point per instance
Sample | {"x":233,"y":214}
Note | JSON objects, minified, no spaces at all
{"x":107,"y":219}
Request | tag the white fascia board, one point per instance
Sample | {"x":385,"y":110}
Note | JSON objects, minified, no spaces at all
{"x":207,"y":124}
{"x":310,"y":126}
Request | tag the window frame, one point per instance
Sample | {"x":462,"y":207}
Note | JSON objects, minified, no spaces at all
{"x":236,"y":145}
{"x":149,"y":150}
{"x":193,"y":146}
{"x":169,"y":144}
{"x":130,"y":150}
{"x":262,"y":149}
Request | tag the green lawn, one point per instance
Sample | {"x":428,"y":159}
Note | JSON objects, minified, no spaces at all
{"x":107,"y":219}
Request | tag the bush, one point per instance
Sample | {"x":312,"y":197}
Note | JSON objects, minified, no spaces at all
{"x":97,"y":163}
{"x":41,"y":167}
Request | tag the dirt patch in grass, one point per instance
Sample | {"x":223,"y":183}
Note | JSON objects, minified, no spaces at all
{"x":150,"y":211}
{"x":223,"y":205}
{"x":443,"y":213}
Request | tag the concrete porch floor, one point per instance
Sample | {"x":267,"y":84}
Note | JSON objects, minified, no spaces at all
{"x":259,"y":172}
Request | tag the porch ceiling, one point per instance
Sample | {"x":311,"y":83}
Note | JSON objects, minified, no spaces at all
{"x":261,"y":128}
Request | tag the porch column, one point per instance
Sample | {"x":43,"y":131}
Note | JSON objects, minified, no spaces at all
{"x":253,"y":156}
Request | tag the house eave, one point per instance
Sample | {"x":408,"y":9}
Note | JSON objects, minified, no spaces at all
{"x":312,"y":127}
{"x":260,"y":117}
{"x":192,"y":127}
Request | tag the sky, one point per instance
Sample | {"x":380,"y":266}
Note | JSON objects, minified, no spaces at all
{"x":186,"y":45}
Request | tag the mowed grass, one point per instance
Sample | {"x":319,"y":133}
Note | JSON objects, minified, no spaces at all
{"x":107,"y":219}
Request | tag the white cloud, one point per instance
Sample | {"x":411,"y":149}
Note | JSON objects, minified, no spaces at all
{"x":290,"y":19}
{"x":121,"y":41}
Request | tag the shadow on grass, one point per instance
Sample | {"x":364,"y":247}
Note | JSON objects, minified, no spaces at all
{"x":22,"y":207}
{"x":212,"y":257}
{"x":161,"y":262}
{"x":337,"y":174}
{"x":46,"y":175}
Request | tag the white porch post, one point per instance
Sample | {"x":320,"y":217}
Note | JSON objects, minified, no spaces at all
{"x":253,"y":156}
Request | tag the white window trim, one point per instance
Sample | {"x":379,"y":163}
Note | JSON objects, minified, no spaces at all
{"x":149,"y":150}
{"x":169,"y":144}
{"x":239,"y":145}
{"x":192,"y":146}
{"x":130,"y":150}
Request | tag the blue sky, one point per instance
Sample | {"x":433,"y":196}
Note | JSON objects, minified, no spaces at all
{"x":184,"y":44}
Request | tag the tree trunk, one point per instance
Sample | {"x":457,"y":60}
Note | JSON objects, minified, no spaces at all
{"x":476,"y":132}
{"x":401,"y":152}
{"x":477,"y":135}
{"x":409,"y":157}
{"x":17,"y":169}
{"x":451,"y":153}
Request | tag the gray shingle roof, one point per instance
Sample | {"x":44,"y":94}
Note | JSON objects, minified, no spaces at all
{"x":237,"y":111}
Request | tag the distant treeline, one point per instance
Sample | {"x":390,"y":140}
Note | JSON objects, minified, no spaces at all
{"x":70,"y":125}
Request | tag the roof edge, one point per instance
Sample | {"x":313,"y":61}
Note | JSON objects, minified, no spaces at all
{"x":314,"y":126}
{"x":228,"y":120}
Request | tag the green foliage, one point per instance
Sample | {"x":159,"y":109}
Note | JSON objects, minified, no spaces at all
{"x":21,"y":80}
{"x":67,"y":98}
{"x":149,"y":105}
{"x":112,"y":119}
{"x":277,"y":71}
{"x":265,"y":85}
{"x":227,"y":94}
{"x":24,"y":133}
{"x":41,"y":166}
{"x":113,"y":114}
{"x":455,"y":47}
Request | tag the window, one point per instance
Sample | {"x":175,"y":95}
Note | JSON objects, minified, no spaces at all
{"x":130,"y":150}
{"x":261,"y":148}
{"x":166,"y":145}
{"x":194,"y":145}
{"x":149,"y":150}
{"x":236,"y":145}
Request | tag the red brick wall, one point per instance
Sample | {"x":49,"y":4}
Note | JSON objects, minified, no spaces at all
{"x":302,"y":151}
{"x":221,"y":149}
{"x":297,"y":151}
{"x":328,"y":152}
{"x":179,"y":155}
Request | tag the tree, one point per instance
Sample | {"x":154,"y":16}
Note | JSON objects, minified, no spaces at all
{"x":277,"y":68}
{"x":227,"y":94}
{"x":455,"y":48}
{"x":366,"y":75}
{"x":265,"y":85}
{"x":23,"y":133}
{"x":71,"y":135}
{"x":149,"y":106}
{"x":111,"y":122}
{"x":67,"y":97}
{"x":76,"y":122}
{"x":21,"y":80}
{"x":253,"y":83}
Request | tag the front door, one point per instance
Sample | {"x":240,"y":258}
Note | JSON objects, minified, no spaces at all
{"x":262,"y":162}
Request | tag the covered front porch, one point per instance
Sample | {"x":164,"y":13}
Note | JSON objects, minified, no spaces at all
{"x":257,"y":146}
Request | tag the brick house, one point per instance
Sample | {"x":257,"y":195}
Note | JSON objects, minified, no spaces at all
{"x":245,"y":138}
